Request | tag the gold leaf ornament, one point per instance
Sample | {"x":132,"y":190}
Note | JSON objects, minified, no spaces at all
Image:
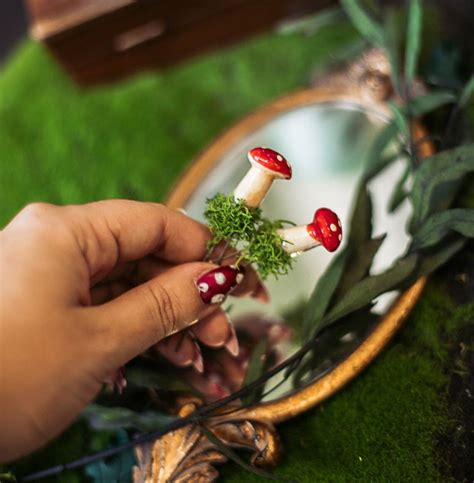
{"x":187,"y":455}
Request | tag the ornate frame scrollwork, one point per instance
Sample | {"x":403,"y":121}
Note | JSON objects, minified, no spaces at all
{"x":187,"y":454}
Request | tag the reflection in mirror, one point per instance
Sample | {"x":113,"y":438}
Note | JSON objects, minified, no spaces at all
{"x":327,"y":145}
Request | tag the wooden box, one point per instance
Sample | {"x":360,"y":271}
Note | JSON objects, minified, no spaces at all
{"x":104,"y":40}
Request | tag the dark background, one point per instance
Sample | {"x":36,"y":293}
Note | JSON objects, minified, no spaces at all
{"x":13,"y":25}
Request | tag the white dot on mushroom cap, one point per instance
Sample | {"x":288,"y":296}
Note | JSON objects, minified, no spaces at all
{"x":339,"y":237}
{"x":280,"y":158}
{"x":220,"y":278}
{"x":203,"y":287}
{"x":333,"y":227}
{"x":217,"y":299}
{"x":239,"y":277}
{"x":339,"y":223}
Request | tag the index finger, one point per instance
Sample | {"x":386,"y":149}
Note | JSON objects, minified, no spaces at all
{"x":138,"y":229}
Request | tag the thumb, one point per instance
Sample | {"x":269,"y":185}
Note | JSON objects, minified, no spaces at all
{"x":141,"y":317}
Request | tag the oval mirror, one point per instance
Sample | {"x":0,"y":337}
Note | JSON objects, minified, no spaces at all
{"x":326,"y":133}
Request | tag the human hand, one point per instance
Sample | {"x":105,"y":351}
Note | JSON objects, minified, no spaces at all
{"x":85,"y":289}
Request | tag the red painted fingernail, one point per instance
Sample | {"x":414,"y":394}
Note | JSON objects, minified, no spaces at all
{"x":214,"y":285}
{"x":232,"y":344}
{"x":198,"y":362}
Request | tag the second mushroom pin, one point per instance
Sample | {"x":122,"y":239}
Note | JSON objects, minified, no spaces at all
{"x":268,"y":165}
{"x":325,"y":230}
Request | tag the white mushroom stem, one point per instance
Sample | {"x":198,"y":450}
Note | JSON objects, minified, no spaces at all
{"x":297,"y":239}
{"x":254,"y":186}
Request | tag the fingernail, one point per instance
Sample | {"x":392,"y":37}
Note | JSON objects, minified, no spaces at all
{"x":198,"y":362}
{"x":232,"y":344}
{"x":219,"y":391}
{"x":119,"y":381}
{"x":215,"y":387}
{"x":214,"y":285}
{"x":243,"y":356}
{"x":278,"y":332}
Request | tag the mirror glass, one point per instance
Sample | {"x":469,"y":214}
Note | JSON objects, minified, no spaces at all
{"x":327,"y":145}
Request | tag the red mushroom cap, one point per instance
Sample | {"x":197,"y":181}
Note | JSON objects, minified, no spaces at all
{"x":214,"y":285}
{"x":326,"y":228}
{"x":271,"y":161}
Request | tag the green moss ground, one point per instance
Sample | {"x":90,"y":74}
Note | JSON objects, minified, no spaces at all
{"x":64,"y":145}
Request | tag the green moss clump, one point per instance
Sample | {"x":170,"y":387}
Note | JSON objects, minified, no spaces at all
{"x":266,"y":251}
{"x":229,"y":219}
{"x":254,"y":238}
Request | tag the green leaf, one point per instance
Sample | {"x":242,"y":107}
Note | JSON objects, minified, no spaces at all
{"x":400,"y":119}
{"x":438,"y":256}
{"x":413,"y":39}
{"x":322,"y":294}
{"x":358,"y":265}
{"x":361,"y":247}
{"x":361,"y":219}
{"x":366,"y":26}
{"x":437,"y":181}
{"x":376,"y":158}
{"x":232,"y":455}
{"x":429,"y":102}
{"x":255,"y":369}
{"x":441,"y":224}
{"x":466,"y":93}
{"x":443,"y":65}
{"x":392,"y":47}
{"x":399,"y":193}
{"x":371,"y":287}
{"x":112,"y":418}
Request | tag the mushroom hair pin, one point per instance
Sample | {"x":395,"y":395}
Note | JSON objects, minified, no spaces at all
{"x":269,"y":245}
{"x":325,"y":230}
{"x":266,"y":166}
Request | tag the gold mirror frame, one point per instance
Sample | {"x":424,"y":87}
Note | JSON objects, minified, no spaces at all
{"x":187,"y":454}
